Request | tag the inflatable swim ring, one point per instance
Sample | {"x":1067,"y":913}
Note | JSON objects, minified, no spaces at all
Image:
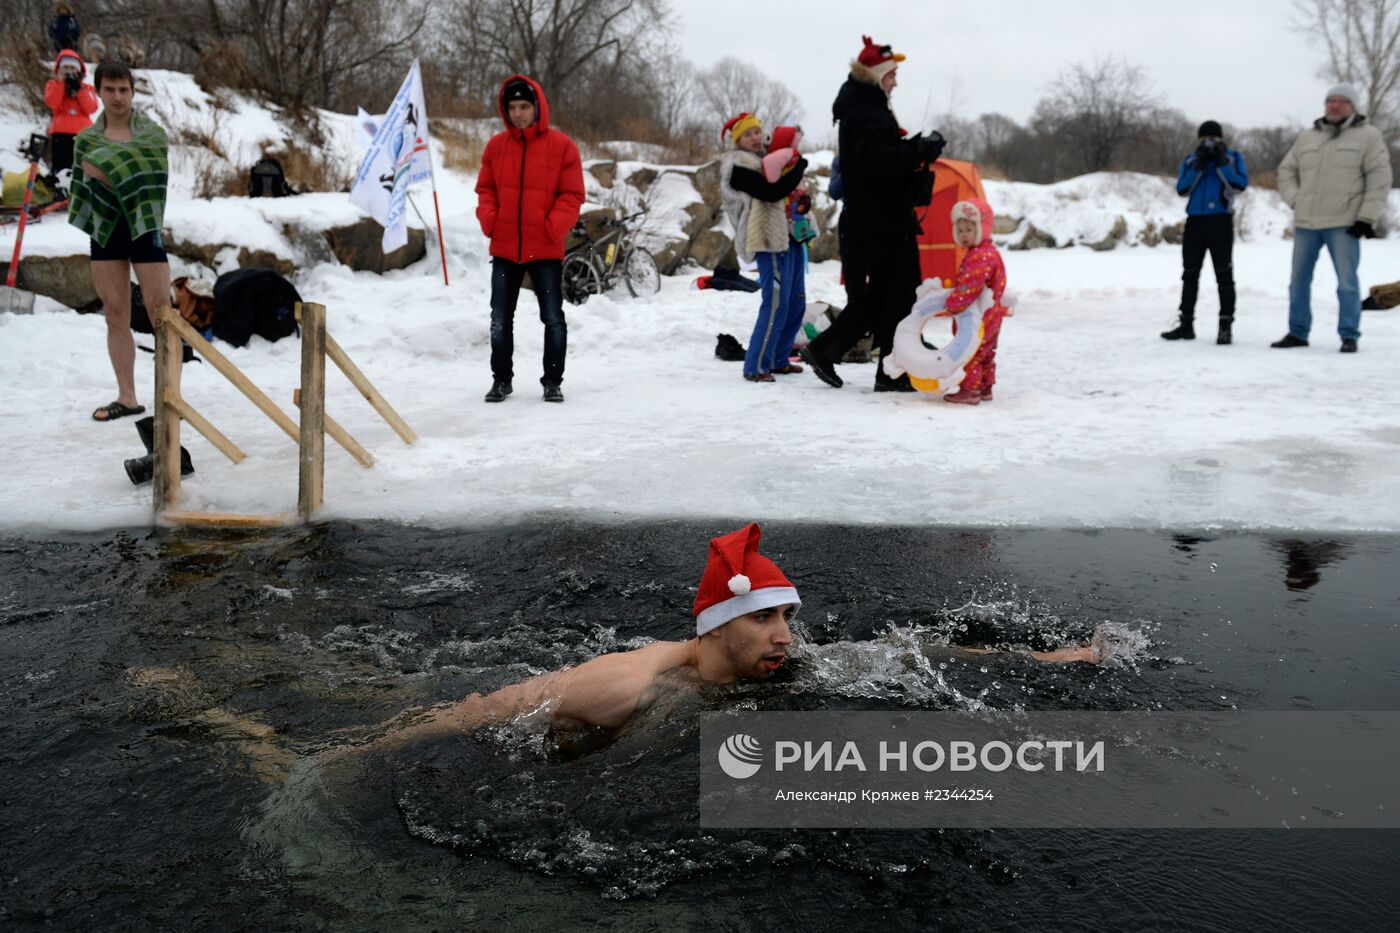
{"x":939,"y":370}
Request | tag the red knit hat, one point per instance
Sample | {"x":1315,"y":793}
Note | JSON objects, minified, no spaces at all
{"x":785,"y":137}
{"x":738,"y":580}
{"x":880,"y":59}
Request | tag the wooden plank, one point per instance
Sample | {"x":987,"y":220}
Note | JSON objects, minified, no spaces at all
{"x":232,"y":373}
{"x":227,"y":520}
{"x":197,"y":421}
{"x":367,"y":389}
{"x":311,"y":463}
{"x":166,"y":449}
{"x":340,"y":435}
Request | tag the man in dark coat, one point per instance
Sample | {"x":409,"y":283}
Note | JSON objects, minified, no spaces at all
{"x":880,"y":172}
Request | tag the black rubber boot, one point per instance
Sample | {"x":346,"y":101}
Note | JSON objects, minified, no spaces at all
{"x":1226,"y":334}
{"x":1186,"y":330}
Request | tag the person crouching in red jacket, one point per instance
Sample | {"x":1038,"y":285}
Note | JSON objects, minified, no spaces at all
{"x":73,"y":102}
{"x":528,"y":197}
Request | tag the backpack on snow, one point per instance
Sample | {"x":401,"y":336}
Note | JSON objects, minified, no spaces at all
{"x":267,"y":180}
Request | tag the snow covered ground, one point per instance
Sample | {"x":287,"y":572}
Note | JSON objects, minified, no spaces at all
{"x":1097,"y":421}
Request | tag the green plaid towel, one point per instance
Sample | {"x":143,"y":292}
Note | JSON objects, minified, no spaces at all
{"x":137,"y":170}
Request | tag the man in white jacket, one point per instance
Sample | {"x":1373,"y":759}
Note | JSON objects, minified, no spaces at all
{"x":1336,"y":178}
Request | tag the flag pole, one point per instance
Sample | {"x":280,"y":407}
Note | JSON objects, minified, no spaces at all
{"x":437,"y":214}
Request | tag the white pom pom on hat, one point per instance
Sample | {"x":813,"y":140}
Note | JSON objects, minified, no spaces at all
{"x":738,"y":580}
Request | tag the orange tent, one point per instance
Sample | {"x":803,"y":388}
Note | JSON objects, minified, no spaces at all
{"x":953,"y":181}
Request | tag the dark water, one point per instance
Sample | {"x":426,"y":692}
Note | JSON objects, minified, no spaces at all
{"x":162,"y":693}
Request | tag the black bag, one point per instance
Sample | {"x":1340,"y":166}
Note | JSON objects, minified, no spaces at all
{"x":267,"y":180}
{"x":729,"y":349}
{"x":251,"y":301}
{"x":140,"y":317}
{"x":923,"y":187}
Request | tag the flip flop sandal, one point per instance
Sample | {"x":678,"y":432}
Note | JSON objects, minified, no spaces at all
{"x":115,"y":410}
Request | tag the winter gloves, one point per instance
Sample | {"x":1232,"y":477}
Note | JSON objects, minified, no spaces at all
{"x":72,"y":84}
{"x":1211,"y":153}
{"x":1362,"y":229}
{"x":929,"y":147}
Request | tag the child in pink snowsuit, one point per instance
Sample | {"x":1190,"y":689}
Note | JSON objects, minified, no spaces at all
{"x":981,"y":268}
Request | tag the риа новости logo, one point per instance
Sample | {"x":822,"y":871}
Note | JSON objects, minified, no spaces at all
{"x":740,"y":756}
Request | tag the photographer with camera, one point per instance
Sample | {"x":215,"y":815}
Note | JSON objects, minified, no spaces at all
{"x":1210,"y":179}
{"x":884,"y":176}
{"x":73,"y":103}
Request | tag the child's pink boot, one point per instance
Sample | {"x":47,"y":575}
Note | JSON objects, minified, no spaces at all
{"x":986,"y":393}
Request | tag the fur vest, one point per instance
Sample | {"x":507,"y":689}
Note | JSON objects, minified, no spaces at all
{"x":759,"y":226}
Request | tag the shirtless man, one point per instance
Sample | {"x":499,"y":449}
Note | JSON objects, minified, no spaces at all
{"x":743,"y":612}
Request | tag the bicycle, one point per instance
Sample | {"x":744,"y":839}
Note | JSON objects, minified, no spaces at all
{"x":594,"y":266}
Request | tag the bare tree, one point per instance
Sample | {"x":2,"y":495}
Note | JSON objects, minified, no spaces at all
{"x":1097,"y":108}
{"x":730,"y":86}
{"x":1363,"y":48}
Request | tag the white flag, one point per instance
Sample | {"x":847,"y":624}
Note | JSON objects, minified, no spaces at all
{"x":398,"y":158}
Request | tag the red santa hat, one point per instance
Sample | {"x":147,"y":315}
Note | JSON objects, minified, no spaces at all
{"x":738,"y":580}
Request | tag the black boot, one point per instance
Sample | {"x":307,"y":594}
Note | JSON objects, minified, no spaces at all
{"x":142,"y":469}
{"x":1186,"y":330}
{"x":1226,"y":334}
{"x":500,"y":388}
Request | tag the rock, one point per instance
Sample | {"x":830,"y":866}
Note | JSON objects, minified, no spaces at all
{"x":207,"y":254}
{"x":1115,"y":235}
{"x":706,"y":181}
{"x":65,"y":279}
{"x":1004,"y":225}
{"x":1150,"y":236}
{"x":358,"y":246}
{"x":604,"y":172}
{"x":642,"y":178}
{"x":1174,"y":232}
{"x":1034,"y":238}
{"x":710,"y":248}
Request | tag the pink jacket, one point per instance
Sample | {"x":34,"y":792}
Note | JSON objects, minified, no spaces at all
{"x":981,"y":267}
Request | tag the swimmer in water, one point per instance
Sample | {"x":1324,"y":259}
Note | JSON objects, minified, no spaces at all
{"x":743,"y":614}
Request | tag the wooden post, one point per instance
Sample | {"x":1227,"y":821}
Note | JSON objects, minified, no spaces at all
{"x":312,"y":473}
{"x":201,"y":424}
{"x":166,"y":450}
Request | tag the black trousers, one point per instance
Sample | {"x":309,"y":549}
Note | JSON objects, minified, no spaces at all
{"x":546,"y":277}
{"x":882,"y":275}
{"x":1214,"y":234}
{"x":60,"y":151}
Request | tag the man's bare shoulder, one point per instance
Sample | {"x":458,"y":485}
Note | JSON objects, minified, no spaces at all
{"x":608,"y":689}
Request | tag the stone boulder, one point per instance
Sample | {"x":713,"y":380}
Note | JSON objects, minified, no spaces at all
{"x":358,"y":246}
{"x":642,"y":178}
{"x":65,"y":279}
{"x":604,"y":172}
{"x":207,"y":254}
{"x":1034,"y":238}
{"x":1116,"y":235}
{"x":1004,"y":226}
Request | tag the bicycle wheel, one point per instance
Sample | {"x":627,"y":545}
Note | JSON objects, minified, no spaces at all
{"x":642,"y":275}
{"x":581,"y":279}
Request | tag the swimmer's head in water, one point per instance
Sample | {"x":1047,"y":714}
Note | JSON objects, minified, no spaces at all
{"x":738,"y":581}
{"x":751,"y":646}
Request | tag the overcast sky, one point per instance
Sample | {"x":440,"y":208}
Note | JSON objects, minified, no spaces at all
{"x":1236,"y":61}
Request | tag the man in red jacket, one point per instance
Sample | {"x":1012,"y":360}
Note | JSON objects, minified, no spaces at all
{"x":528,"y":198}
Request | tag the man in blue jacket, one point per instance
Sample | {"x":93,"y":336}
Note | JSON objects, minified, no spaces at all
{"x":1210,"y":179}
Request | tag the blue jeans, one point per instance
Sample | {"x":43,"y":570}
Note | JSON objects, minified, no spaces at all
{"x":1345,"y":251}
{"x":546,"y":275}
{"x":782,"y":280}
